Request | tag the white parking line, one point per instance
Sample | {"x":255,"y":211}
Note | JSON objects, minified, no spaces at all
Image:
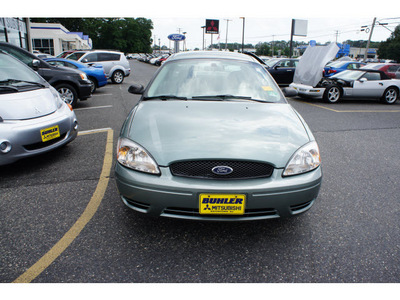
{"x":94,"y":131}
{"x":93,"y":107}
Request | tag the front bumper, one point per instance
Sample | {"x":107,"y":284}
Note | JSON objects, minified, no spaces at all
{"x":178,"y":197}
{"x":24,"y":136}
{"x":308,"y":91}
{"x":84,"y":90}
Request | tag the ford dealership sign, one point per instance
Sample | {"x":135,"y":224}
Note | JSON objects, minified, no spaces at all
{"x":176,"y":37}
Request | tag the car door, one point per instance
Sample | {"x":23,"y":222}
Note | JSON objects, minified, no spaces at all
{"x":369,"y":85}
{"x":284,"y":71}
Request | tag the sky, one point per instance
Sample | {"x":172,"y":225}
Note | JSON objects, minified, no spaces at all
{"x":328,"y":21}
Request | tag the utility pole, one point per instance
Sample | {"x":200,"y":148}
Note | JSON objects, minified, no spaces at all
{"x":243,"y":34}
{"x":369,"y":40}
{"x":337,"y":33}
{"x":226,"y":41}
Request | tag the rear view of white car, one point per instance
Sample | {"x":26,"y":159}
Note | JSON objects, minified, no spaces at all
{"x":33,"y":118}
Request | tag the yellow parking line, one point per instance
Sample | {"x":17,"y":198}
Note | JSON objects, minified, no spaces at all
{"x":347,"y":111}
{"x":86,"y":216}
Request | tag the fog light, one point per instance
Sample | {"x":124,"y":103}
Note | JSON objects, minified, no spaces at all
{"x":76,"y":125}
{"x":5,"y":146}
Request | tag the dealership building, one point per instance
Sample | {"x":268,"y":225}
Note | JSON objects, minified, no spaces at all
{"x":51,"y":38}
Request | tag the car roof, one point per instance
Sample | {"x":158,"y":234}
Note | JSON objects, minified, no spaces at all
{"x":212,"y":55}
{"x":383,"y":74}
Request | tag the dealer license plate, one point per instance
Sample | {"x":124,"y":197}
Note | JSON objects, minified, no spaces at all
{"x":50,"y":133}
{"x":222,"y":204}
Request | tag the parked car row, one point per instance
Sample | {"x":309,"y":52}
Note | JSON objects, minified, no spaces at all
{"x":154,"y":59}
{"x":37,"y":96}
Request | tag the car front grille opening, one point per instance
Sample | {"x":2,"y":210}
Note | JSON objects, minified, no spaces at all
{"x":138,"y":205}
{"x":42,"y":145}
{"x":300,"y":207}
{"x":203,"y":169}
{"x":194,"y":213}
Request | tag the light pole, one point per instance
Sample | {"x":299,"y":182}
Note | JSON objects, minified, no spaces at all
{"x":204,"y":29}
{"x":243,"y":34}
{"x":226,"y":40}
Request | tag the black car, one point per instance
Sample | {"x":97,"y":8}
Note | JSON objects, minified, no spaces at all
{"x":282,"y":69}
{"x":71,"y":84}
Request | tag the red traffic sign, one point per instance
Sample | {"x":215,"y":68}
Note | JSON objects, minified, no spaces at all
{"x":212,"y":26}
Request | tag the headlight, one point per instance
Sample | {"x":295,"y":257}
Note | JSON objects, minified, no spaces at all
{"x":83,"y":76}
{"x":305,"y":159}
{"x":133,"y":156}
{"x":57,"y":97}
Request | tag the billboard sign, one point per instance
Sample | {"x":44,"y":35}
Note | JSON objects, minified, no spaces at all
{"x":212,"y":26}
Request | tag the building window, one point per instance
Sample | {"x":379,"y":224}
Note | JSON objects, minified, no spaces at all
{"x":44,"y":45}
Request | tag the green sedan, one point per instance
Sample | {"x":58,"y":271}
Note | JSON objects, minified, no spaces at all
{"x":213,"y":138}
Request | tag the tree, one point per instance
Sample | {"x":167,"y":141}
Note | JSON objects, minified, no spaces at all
{"x":263,"y":49}
{"x":390,"y":49}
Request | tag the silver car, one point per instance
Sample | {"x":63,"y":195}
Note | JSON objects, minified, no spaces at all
{"x":33,"y":118}
{"x":115,"y":64}
{"x":213,"y":138}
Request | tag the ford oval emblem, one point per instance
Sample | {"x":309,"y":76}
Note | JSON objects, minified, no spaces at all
{"x":176,"y":37}
{"x":222,"y":170}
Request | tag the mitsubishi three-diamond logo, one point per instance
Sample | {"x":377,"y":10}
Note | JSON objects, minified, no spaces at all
{"x":212,"y":26}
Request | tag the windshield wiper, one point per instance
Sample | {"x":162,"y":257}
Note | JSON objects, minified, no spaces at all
{"x":9,"y":88}
{"x":23,"y":81}
{"x":165,"y":97}
{"x":227,"y":97}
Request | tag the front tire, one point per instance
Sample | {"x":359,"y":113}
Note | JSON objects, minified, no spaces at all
{"x":332,"y":94}
{"x":117,"y":77}
{"x":67,"y":93}
{"x":390,"y":95}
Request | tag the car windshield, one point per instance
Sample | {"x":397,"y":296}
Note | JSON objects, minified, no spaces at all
{"x":76,"y":55}
{"x":270,"y":63}
{"x":14,"y":75}
{"x":349,"y":75}
{"x":214,"y":79}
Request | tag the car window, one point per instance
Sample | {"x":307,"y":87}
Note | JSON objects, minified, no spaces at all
{"x":17,"y":54}
{"x":204,"y":77}
{"x":76,"y":55}
{"x":56,"y":63}
{"x":108,"y":56}
{"x":91,"y":57}
{"x":69,"y":65}
{"x":372,"y":76}
{"x":12,"y":69}
{"x":393,"y":68}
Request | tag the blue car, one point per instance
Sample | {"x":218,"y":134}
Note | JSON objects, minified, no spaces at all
{"x":339,"y":66}
{"x":95,"y":73}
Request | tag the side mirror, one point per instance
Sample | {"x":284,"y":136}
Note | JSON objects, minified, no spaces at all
{"x":362,"y":80}
{"x":289,"y":92}
{"x":137,"y":89}
{"x":35,"y":64}
{"x":85,"y":60}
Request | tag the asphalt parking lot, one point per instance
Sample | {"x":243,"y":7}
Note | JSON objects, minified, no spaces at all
{"x":62,"y":219}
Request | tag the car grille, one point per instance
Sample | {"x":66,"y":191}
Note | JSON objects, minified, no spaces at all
{"x":203,"y":169}
{"x":41,"y":145}
{"x":190,"y":213}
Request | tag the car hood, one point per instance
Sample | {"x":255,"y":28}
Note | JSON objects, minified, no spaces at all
{"x":180,"y":130}
{"x":27,"y":105}
{"x":309,"y":70}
